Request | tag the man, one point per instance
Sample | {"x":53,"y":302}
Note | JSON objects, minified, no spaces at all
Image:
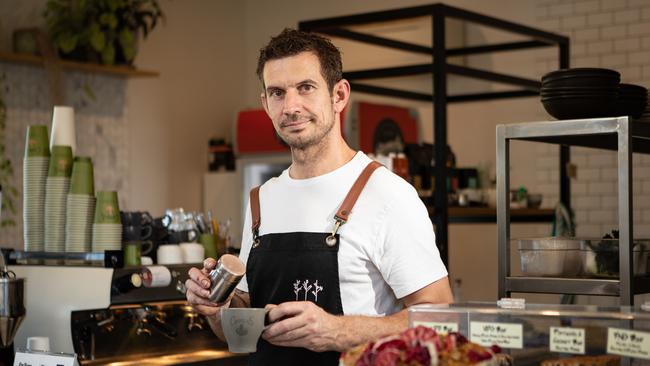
{"x":334,"y":261}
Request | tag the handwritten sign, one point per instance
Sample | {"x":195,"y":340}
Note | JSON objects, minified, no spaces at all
{"x":26,"y":358}
{"x":629,"y":343}
{"x":567,"y":340}
{"x":439,"y":327}
{"x":504,"y":335}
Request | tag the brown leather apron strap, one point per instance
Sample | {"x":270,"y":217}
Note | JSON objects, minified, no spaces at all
{"x":341,"y":215}
{"x":355,"y":191}
{"x":255,"y":209}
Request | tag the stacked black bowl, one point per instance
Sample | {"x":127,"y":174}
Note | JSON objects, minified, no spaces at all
{"x":580,"y":93}
{"x":632,"y":100}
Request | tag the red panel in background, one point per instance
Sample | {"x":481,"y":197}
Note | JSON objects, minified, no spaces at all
{"x":255,"y":133}
{"x":370,"y":115}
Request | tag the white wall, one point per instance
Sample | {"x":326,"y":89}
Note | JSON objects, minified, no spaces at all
{"x":198,"y":52}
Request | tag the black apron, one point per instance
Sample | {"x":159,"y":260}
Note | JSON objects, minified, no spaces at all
{"x":297,"y":266}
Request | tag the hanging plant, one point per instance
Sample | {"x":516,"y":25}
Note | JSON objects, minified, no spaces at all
{"x":101,"y":31}
{"x":9,"y":192}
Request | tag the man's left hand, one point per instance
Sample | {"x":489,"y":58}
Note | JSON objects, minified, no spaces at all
{"x":302,"y":324}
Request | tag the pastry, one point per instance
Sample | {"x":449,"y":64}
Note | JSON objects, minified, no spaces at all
{"x":422,"y":346}
{"x":604,"y":360}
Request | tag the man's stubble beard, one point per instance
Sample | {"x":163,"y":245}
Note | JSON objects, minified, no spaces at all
{"x":316,"y":139}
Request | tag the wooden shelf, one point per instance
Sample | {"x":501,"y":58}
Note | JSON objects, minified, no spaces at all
{"x":123,"y":71}
{"x":489,"y":215}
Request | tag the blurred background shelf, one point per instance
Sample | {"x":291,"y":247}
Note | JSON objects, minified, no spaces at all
{"x":478,"y":215}
{"x":578,"y":286}
{"x":123,"y":71}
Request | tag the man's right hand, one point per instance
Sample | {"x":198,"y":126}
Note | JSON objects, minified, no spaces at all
{"x":198,"y":290}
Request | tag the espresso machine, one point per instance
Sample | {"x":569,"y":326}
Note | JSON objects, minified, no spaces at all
{"x":12,"y":311}
{"x":105,"y":317}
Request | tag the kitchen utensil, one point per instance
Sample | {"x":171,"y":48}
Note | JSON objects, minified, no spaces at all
{"x":580,"y":107}
{"x":589,"y":77}
{"x":632,"y":100}
{"x":81,"y":181}
{"x":133,"y":251}
{"x":552,"y":256}
{"x":60,"y":162}
{"x":207,"y":240}
{"x":63,"y":128}
{"x":600,"y":257}
{"x":242,"y":328}
{"x":169,"y":254}
{"x":225,"y":277}
{"x":107,"y":210}
{"x":192,"y":252}
{"x":37,"y":144}
{"x":35,"y":170}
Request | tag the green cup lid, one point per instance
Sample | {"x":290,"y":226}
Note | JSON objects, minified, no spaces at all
{"x":60,"y":162}
{"x":37,"y":143}
{"x":107,"y":210}
{"x":82,"y":181}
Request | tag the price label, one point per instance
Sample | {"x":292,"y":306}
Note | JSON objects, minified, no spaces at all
{"x":439,"y":327}
{"x":504,"y":335}
{"x":44,"y":359}
{"x":628,"y":343}
{"x":567,"y":340}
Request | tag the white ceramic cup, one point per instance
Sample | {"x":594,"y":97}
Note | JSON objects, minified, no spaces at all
{"x":146,"y":261}
{"x":242,"y":328}
{"x":38,"y":344}
{"x":63,"y":128}
{"x":169,"y":254}
{"x":193,"y":252}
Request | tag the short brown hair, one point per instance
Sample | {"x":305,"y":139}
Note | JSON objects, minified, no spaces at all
{"x":291,"y":42}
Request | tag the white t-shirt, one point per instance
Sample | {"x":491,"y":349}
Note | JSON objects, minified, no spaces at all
{"x":387,"y":248}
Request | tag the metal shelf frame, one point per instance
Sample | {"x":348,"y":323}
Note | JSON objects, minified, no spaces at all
{"x":619,"y":133}
{"x":439,"y":69}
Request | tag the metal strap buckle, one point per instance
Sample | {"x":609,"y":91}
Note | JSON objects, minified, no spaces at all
{"x":331,"y":239}
{"x":256,"y":238}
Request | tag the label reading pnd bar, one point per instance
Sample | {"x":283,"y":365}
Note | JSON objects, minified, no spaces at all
{"x":630,"y":343}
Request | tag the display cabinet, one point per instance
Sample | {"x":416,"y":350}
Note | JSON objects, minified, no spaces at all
{"x":535,"y":333}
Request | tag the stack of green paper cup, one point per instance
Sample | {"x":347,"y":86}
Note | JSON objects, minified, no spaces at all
{"x":107,"y":229}
{"x":80,"y":209}
{"x":56,"y":194}
{"x":35,"y":167}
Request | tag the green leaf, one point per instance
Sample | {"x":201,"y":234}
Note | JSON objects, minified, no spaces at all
{"x":108,"y":54}
{"x":109,"y":20}
{"x":97,"y":37}
{"x":67,"y":42}
{"x":89,"y":92}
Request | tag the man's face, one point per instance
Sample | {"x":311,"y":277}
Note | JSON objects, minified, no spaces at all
{"x":298,"y":100}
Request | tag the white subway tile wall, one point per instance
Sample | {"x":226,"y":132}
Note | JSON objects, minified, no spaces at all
{"x":611,"y":34}
{"x":100,"y":119}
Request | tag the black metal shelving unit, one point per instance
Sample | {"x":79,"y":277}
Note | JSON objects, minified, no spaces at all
{"x":439,"y":68}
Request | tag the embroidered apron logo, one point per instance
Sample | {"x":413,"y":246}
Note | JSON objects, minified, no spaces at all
{"x":299,"y":286}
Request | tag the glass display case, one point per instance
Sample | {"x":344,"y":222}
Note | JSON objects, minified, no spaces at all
{"x":534,"y":334}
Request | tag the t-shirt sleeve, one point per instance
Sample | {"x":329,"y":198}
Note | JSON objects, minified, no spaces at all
{"x":246,"y":243}
{"x":408,"y":256}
